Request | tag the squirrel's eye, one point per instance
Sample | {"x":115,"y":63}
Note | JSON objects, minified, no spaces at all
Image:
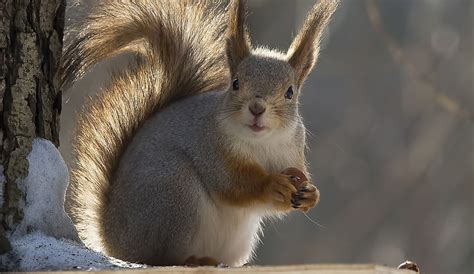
{"x":289,"y":93}
{"x":235,"y":84}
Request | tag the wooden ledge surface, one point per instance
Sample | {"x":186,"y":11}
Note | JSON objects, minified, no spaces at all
{"x":307,"y":269}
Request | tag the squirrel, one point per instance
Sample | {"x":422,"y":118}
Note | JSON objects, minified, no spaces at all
{"x":197,"y":140}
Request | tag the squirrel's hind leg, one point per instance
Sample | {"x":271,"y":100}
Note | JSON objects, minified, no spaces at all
{"x":152,"y":214}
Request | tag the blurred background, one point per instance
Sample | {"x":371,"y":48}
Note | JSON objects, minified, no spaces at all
{"x":390,"y":111}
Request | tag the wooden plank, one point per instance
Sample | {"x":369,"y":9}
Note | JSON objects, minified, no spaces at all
{"x":296,"y":269}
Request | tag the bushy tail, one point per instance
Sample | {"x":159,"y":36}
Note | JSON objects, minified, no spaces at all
{"x":181,"y":52}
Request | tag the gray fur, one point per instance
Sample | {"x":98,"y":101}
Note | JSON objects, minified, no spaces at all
{"x":169,"y":164}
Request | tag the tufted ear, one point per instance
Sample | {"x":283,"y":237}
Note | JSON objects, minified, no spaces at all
{"x":304,"y":49}
{"x":238,"y":42}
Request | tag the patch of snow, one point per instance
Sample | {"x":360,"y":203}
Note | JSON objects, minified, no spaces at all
{"x":46,"y":238}
{"x":45,"y":188}
{"x":38,"y":252}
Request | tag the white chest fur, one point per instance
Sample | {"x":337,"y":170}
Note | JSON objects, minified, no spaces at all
{"x":274,"y":154}
{"x":275,"y":157}
{"x":227,"y":234}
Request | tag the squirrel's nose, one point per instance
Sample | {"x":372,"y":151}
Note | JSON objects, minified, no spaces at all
{"x":256,"y":109}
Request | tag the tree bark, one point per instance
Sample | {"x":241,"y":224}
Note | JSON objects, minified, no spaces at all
{"x":31,"y":33}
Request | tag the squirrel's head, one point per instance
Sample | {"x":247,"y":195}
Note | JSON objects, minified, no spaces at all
{"x":265,"y":85}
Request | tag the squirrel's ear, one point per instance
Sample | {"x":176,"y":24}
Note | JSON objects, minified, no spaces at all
{"x":304,"y":50}
{"x":238,"y":42}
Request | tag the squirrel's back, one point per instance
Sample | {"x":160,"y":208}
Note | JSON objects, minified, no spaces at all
{"x":180,"y":52}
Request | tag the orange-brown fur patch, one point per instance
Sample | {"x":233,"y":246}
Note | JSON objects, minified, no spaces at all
{"x":249,"y":182}
{"x":252,"y":185}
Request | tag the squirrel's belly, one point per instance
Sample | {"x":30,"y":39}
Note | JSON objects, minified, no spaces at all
{"x":227,"y":234}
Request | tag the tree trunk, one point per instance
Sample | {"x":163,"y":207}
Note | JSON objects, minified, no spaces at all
{"x":31,"y":33}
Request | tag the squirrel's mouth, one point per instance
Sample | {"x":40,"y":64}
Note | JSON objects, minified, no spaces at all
{"x":257,"y":128}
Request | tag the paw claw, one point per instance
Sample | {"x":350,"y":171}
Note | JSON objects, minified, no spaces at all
{"x":295,"y":203}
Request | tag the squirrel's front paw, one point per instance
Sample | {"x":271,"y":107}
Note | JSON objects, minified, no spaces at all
{"x":307,"y":195}
{"x":282,"y":190}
